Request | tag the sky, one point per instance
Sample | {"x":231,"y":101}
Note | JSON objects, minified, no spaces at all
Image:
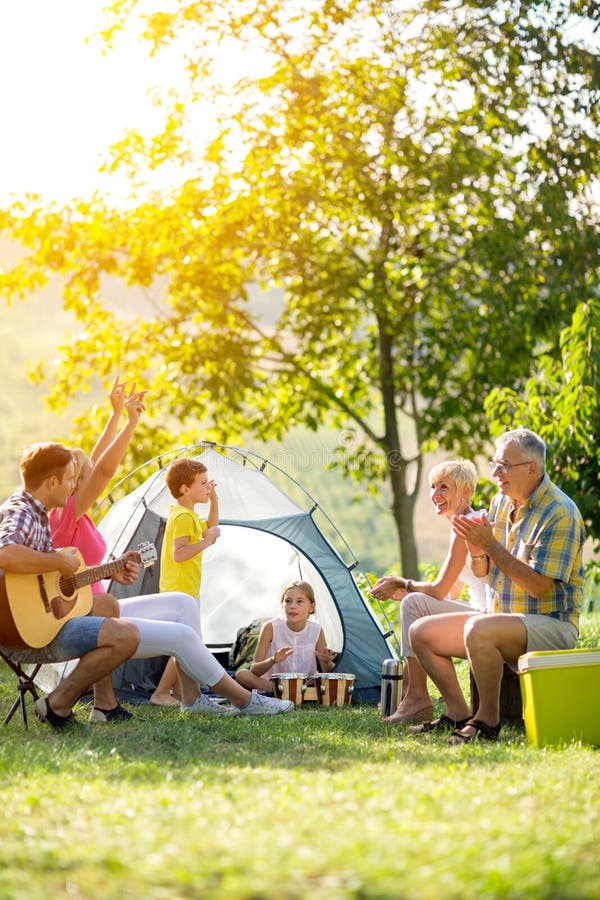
{"x":62,"y":103}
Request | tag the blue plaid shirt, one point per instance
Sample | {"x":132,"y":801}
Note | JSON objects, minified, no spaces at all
{"x":548,"y":534}
{"x":24,"y":520}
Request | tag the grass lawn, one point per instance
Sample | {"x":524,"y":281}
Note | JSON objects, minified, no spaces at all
{"x":322,"y":803}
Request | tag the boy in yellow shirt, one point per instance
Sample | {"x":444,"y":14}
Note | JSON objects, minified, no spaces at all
{"x":186,"y":537}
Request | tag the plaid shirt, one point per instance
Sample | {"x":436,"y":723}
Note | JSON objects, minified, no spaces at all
{"x":547,"y":534}
{"x":24,"y":520}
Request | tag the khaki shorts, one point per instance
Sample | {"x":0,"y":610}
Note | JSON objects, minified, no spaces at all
{"x":546,"y":633}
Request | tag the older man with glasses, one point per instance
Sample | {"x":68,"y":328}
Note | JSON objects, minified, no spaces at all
{"x":531,"y":550}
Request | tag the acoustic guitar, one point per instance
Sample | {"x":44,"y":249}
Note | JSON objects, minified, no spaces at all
{"x":33,"y":608}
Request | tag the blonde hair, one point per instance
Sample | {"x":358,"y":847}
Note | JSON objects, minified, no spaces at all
{"x":461,"y":471}
{"x":303,"y":586}
{"x":79,"y":460}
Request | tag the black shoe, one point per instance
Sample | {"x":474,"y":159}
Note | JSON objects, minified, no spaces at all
{"x":444,"y":723}
{"x":482,"y":732}
{"x":45,"y":713}
{"x":118,"y":714}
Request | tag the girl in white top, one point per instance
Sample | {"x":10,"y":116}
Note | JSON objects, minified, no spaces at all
{"x":290,"y":644}
{"x":452,"y":484}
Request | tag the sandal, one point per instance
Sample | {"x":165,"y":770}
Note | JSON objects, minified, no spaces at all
{"x":444,"y":723}
{"x":483,"y":732}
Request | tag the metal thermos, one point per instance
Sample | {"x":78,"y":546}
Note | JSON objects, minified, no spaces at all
{"x":391,"y":684}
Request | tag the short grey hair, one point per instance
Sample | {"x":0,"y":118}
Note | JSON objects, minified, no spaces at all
{"x":530,"y":443}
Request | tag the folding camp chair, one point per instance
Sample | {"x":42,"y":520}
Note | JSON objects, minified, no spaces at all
{"x":25,"y":685}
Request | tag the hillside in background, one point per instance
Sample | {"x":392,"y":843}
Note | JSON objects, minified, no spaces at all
{"x":31,"y":331}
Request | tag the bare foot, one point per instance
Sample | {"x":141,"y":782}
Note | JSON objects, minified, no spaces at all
{"x":425,"y":714}
{"x":163,"y":700}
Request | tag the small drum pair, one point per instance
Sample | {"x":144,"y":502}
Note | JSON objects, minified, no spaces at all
{"x":332,"y":688}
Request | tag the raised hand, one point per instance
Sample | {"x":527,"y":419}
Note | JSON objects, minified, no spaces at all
{"x":477,"y":531}
{"x":326,"y":656}
{"x":134,"y":405}
{"x":117,"y":395}
{"x":282,"y":654}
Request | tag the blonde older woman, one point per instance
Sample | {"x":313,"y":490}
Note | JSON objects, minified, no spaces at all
{"x":452,"y":484}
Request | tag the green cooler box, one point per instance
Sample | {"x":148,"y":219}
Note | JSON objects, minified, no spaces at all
{"x":561,"y":696}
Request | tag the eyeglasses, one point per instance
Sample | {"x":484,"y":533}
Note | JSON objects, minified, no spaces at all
{"x":506,"y":466}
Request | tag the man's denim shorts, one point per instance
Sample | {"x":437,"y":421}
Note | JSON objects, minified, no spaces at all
{"x":76,"y":638}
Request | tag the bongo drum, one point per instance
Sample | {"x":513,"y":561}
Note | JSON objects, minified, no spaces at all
{"x":289,"y":686}
{"x":334,"y":688}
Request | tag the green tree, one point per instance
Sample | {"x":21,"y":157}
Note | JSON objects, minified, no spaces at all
{"x":560,"y":401}
{"x":411,"y":183}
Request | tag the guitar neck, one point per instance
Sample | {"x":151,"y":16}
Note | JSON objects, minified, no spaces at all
{"x":97,"y":573}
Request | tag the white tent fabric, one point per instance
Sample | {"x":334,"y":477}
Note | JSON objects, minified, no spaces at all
{"x":267,"y":540}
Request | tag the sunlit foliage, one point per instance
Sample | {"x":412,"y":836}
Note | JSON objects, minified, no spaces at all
{"x":410,"y":183}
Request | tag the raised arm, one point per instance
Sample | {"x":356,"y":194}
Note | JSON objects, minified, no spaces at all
{"x":105,"y":467}
{"x":213,"y":510}
{"x":117,"y":399}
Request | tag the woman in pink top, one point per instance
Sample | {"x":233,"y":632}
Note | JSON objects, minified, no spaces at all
{"x":290,"y":644}
{"x":71,"y":526}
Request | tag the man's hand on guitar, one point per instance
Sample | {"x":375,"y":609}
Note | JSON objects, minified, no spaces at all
{"x":131,"y":571}
{"x":66,"y":563}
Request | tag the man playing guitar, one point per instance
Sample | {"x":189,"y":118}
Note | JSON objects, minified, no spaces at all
{"x":100,"y":644}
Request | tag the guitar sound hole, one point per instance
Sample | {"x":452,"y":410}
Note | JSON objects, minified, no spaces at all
{"x":67,"y":586}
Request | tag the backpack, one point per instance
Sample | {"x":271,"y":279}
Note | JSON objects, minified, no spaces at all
{"x":244,"y":647}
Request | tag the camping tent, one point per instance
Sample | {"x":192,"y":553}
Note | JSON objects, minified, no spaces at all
{"x":267,"y":540}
